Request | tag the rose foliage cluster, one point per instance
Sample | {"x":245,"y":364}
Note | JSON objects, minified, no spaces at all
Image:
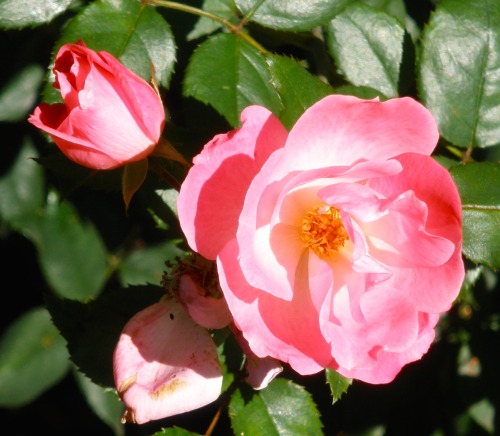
{"x":320,"y":228}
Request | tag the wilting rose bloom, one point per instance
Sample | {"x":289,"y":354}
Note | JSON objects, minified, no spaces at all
{"x":212,"y":313}
{"x":338,"y":244}
{"x":110,"y":116}
{"x":165,"y":364}
{"x":208,"y":311}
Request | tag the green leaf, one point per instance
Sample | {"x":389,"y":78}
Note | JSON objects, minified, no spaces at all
{"x":33,"y":358}
{"x":169,"y":198}
{"x":227,"y":73}
{"x":294,"y":15}
{"x":147,"y":265}
{"x":360,"y":91}
{"x":19,"y":95}
{"x":231,"y":356}
{"x":286,"y":74}
{"x":22,"y":192}
{"x":397,"y":8}
{"x":206,"y":26}
{"x":338,"y":384}
{"x":92,"y":330}
{"x":458,"y":71}
{"x":483,"y":412}
{"x":283,"y":408}
{"x":367,"y":46}
{"x":175,"y":431}
{"x":15,"y":14}
{"x":128,"y":29}
{"x":104,"y":402}
{"x":478,"y":187}
{"x":72,"y":254}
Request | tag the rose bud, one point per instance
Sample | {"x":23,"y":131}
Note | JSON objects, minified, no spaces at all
{"x":110,"y":115}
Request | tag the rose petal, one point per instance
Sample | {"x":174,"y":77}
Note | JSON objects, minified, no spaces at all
{"x":269,"y":249}
{"x":272,"y":326}
{"x":260,"y":371}
{"x":395,"y":227}
{"x":165,"y":364}
{"x":205,"y":310}
{"x":388,"y":323}
{"x":213,"y":192}
{"x":389,"y":364}
{"x":341,"y":130}
{"x":432,"y":289}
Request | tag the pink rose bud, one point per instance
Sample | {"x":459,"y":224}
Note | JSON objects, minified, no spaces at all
{"x":110,"y":116}
{"x":165,"y":364}
{"x":338,"y":244}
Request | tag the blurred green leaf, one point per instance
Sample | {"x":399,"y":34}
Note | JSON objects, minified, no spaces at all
{"x":360,"y":92}
{"x":227,"y":73}
{"x":483,"y":412}
{"x":128,"y":29}
{"x":92,"y":330}
{"x":480,"y":194}
{"x":466,"y":296}
{"x":367,"y":46}
{"x":15,"y":14}
{"x":169,"y":198}
{"x":72,"y":254}
{"x":22,"y":191}
{"x":231,"y":356}
{"x":282,"y":408}
{"x":285,"y":75}
{"x":206,"y":26}
{"x":294,"y":15}
{"x":338,"y":384}
{"x":18,"y":96}
{"x":104,"y":402}
{"x":174,"y":431}
{"x":33,"y":358}
{"x":468,"y":365}
{"x":227,"y":375}
{"x":458,"y":71}
{"x":146,"y":265}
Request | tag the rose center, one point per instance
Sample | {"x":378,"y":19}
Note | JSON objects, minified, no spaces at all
{"x":323,"y":231}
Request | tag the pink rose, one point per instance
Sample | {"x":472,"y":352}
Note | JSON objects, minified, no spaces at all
{"x":110,"y":116}
{"x":337,"y":244}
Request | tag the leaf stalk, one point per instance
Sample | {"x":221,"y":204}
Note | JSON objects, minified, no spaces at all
{"x":235,"y":29}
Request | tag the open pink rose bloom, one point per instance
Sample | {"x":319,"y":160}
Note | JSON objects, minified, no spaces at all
{"x":338,"y":244}
{"x":110,"y":116}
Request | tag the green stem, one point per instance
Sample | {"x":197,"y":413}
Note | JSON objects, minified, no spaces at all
{"x":200,"y":12}
{"x":250,"y":13}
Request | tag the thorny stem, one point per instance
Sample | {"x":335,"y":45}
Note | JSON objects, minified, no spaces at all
{"x":200,"y":12}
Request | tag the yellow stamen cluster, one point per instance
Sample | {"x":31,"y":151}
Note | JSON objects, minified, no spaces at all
{"x":323,"y":231}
